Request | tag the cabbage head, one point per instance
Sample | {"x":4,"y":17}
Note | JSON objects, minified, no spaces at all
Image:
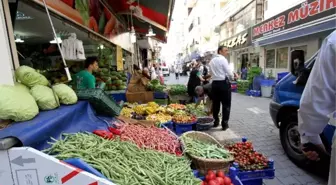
{"x":65,"y":94}
{"x":17,"y":104}
{"x":21,"y":87}
{"x":29,"y":77}
{"x":45,"y":97}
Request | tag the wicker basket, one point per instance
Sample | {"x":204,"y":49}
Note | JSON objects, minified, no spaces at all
{"x":204,"y":164}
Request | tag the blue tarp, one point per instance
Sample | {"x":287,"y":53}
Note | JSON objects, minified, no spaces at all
{"x":66,"y":119}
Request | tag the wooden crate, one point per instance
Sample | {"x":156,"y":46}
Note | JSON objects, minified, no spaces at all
{"x":140,"y":97}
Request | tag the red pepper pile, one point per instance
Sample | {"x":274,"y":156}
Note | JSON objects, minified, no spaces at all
{"x":152,"y":138}
{"x":247,"y":158}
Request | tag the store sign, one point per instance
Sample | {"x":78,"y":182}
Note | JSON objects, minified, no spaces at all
{"x":240,"y":40}
{"x":120,"y":63}
{"x":236,"y":41}
{"x":308,"y":11}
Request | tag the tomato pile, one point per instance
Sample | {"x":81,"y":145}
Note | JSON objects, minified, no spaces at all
{"x":247,"y":158}
{"x":218,"y":178}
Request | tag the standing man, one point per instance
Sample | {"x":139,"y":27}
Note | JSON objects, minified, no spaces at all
{"x":221,"y":74}
{"x":318,"y":101}
{"x":85,"y":79}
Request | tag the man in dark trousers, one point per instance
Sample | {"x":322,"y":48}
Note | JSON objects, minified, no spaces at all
{"x":221,"y":74}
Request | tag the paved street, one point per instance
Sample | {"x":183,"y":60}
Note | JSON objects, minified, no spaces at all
{"x":250,"y":118}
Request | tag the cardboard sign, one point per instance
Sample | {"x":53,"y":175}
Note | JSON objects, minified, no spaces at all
{"x":27,"y":166}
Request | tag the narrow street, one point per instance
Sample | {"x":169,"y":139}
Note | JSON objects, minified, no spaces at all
{"x":250,"y":118}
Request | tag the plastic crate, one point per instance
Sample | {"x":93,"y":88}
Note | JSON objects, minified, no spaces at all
{"x":160,"y":95}
{"x":253,"y":177}
{"x":161,"y":101}
{"x":101,"y":102}
{"x":234,"y":179}
{"x":182,"y":128}
{"x":253,"y":93}
{"x":169,"y":125}
{"x":119,"y":97}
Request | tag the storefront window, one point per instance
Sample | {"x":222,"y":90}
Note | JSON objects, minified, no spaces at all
{"x":282,"y":58}
{"x":270,"y":58}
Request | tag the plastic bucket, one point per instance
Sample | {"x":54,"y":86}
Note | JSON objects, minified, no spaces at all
{"x":266,"y":91}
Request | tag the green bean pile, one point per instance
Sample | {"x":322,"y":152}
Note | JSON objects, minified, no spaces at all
{"x":201,"y":149}
{"x":123,"y":162}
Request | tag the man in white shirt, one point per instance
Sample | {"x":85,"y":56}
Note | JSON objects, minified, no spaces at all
{"x":318,"y":101}
{"x":220,"y":72}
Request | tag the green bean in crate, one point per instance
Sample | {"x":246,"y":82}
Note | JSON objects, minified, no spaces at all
{"x":123,"y":162}
{"x":204,"y":149}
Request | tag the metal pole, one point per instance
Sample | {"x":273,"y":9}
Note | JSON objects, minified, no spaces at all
{"x":58,"y":44}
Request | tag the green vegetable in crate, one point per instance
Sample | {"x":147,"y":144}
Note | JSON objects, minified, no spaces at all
{"x":114,"y":78}
{"x":155,"y":82}
{"x":206,"y":150}
{"x":158,"y":88}
{"x":17,"y":104}
{"x":114,"y":73}
{"x":104,"y":70}
{"x":123,"y":87}
{"x":178,"y":90}
{"x":45,"y":97}
{"x":66,"y":95}
{"x":29,"y":77}
{"x":124,"y":162}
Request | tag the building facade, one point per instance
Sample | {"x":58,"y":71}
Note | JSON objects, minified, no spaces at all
{"x":235,"y":31}
{"x":303,"y":26}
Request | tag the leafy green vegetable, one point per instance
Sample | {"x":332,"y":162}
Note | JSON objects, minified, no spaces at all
{"x":45,"y":97}
{"x":17,"y":104}
{"x":29,"y":77}
{"x":65,"y":94}
{"x":178,"y":89}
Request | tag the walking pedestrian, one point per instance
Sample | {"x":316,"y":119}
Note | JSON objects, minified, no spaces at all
{"x":221,"y":74}
{"x":318,"y":101}
{"x":195,"y":80}
{"x":176,"y":71}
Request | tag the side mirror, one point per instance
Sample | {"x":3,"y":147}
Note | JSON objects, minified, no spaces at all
{"x":297,"y":62}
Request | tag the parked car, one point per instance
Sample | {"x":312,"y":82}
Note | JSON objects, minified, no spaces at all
{"x":165,"y":71}
{"x":284,"y":109}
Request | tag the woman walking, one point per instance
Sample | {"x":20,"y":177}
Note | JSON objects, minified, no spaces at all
{"x":195,"y":80}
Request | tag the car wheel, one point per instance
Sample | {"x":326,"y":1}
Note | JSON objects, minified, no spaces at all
{"x":290,"y":141}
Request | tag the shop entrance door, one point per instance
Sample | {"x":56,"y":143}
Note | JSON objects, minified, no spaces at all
{"x":244,"y":61}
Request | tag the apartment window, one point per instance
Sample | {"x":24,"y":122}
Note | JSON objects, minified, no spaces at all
{"x":245,"y":18}
{"x":270,"y":58}
{"x":266,"y":5}
{"x":282,"y":58}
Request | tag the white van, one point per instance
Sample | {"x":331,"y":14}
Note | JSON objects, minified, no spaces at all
{"x":165,"y":71}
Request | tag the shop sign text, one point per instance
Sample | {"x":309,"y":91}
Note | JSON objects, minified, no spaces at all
{"x":236,"y":41}
{"x":306,"y":12}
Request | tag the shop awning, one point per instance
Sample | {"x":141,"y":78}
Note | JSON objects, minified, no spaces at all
{"x":325,"y":26}
{"x":154,"y":13}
